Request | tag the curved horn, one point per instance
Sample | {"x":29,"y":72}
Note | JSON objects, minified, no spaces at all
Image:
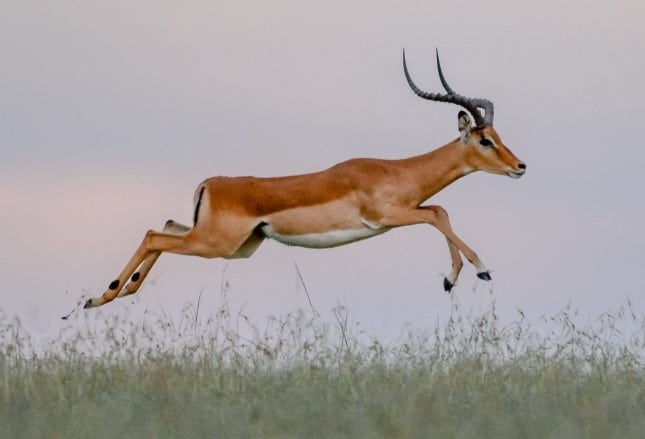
{"x":442,"y":78}
{"x":473,"y":105}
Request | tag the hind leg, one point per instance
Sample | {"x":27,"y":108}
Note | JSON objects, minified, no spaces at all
{"x":226,"y":237}
{"x":153,"y":243}
{"x":136,"y":280}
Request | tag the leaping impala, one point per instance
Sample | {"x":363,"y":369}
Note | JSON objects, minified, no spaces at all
{"x":353,"y":200}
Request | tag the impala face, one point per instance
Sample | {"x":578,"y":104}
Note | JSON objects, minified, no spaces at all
{"x":487,"y":152}
{"x":353,"y":200}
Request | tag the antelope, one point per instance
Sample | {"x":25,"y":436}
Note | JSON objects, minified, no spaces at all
{"x":353,"y":200}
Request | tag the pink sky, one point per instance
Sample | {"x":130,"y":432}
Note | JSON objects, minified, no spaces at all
{"x":112,"y":114}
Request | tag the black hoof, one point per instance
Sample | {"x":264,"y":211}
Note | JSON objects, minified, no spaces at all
{"x":88,"y":304}
{"x":447,"y":285}
{"x":484,"y":275}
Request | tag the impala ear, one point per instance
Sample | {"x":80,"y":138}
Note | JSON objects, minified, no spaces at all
{"x":464,"y":125}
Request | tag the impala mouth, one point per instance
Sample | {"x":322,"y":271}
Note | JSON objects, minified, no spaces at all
{"x":516,"y":174}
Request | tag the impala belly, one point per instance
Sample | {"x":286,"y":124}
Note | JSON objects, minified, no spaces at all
{"x":330,"y":224}
{"x":328,"y":239}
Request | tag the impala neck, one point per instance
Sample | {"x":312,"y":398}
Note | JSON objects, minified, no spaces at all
{"x":438,"y":168}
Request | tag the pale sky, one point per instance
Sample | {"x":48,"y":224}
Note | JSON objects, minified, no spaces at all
{"x":112,"y":112}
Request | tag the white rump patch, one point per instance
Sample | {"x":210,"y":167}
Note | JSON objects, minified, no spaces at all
{"x":333,"y":238}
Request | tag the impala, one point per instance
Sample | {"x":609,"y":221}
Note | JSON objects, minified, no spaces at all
{"x":353,"y":200}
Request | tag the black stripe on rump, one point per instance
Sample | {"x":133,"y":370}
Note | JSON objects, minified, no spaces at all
{"x":197,"y":206}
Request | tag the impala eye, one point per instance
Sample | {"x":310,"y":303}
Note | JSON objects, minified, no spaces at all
{"x":485,"y":142}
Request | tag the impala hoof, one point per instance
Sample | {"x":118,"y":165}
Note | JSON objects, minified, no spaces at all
{"x":484,"y":275}
{"x":447,"y":285}
{"x":92,"y":303}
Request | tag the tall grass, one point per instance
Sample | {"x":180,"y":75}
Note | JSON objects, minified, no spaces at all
{"x":222,"y":376}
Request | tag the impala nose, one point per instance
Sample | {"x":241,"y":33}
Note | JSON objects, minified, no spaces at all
{"x":521,"y":169}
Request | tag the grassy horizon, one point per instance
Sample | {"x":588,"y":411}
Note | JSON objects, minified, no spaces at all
{"x":471,"y":376}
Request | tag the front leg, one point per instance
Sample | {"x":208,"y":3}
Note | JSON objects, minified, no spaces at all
{"x":438,"y":217}
{"x":451,"y":280}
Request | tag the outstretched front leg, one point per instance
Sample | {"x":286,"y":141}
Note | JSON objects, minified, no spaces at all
{"x":438,"y":217}
{"x":451,"y":280}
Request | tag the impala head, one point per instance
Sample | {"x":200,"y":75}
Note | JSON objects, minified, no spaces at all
{"x":485,"y":151}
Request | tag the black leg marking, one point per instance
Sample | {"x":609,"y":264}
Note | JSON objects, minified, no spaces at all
{"x":484,"y":275}
{"x":197,"y":206}
{"x":136,"y":276}
{"x":258,"y":230}
{"x":447,"y":285}
{"x":114,"y":284}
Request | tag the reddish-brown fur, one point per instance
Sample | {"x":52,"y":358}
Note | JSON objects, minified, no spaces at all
{"x":352,"y":200}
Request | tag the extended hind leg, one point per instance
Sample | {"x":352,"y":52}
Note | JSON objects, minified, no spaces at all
{"x":136,"y":280}
{"x":154,"y":242}
{"x":210,"y":240}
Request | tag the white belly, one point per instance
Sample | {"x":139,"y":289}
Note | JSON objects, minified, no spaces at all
{"x":332,"y":238}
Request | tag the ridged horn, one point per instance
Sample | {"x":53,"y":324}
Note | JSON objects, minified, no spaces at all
{"x":482,"y":110}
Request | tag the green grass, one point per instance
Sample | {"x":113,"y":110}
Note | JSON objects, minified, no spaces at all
{"x":299,"y":377}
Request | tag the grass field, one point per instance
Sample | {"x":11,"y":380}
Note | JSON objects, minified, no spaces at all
{"x":299,"y":377}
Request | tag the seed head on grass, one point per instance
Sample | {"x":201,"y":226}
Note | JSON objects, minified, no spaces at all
{"x":472,"y":375}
